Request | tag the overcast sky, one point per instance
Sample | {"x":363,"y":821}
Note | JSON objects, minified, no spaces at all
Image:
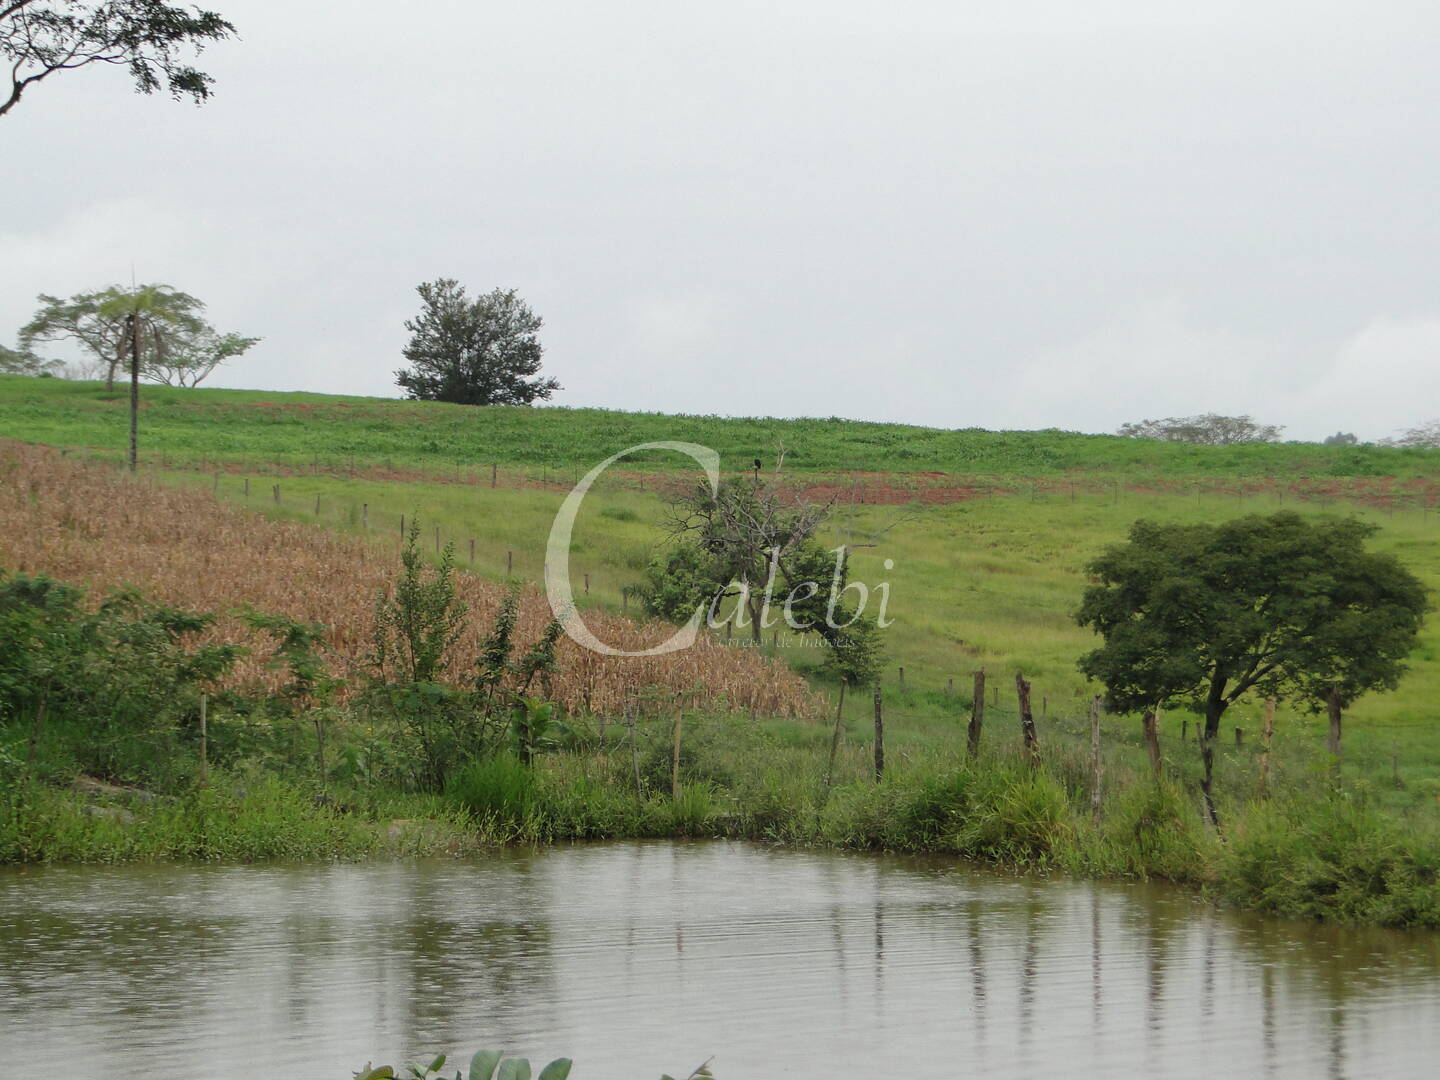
{"x":1006,"y":215}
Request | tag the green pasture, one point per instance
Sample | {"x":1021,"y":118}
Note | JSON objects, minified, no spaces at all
{"x":990,"y":582}
{"x":335,"y":433}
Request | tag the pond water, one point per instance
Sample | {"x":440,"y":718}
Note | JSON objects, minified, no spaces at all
{"x":641,"y":958}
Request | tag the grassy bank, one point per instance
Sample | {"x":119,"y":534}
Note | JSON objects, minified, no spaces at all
{"x":1308,"y":852}
{"x":339,"y":433}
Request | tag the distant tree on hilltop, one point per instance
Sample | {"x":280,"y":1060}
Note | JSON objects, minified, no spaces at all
{"x":1341,"y":438}
{"x":25,"y":362}
{"x":1208,"y":429}
{"x":484,"y":351}
{"x":178,"y":347}
{"x":1425,"y":436}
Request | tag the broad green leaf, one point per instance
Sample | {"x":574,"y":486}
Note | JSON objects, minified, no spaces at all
{"x":384,"y":1072}
{"x":482,"y":1065}
{"x":438,"y":1063}
{"x":514,"y":1069}
{"x":558,"y":1069}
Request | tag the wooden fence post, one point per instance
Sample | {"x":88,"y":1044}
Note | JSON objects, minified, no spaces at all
{"x":204,"y":749}
{"x":1095,"y":760}
{"x":879,"y":737}
{"x":247,"y":487}
{"x":587,"y":584}
{"x":835,"y":738}
{"x":902,"y":678}
{"x":472,"y":551}
{"x":1266,"y":732}
{"x":437,"y":539}
{"x":276,"y":489}
{"x":317,"y":505}
{"x":509,"y":563}
{"x":365,"y":516}
{"x":1239,"y":736}
{"x":1152,"y":740}
{"x":977,"y":714}
{"x":675,"y":759}
{"x":494,"y":472}
{"x":1027,"y":720}
{"x":634,"y":750}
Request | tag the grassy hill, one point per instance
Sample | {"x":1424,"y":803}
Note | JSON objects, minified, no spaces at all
{"x":973,"y":581}
{"x":334,"y":432}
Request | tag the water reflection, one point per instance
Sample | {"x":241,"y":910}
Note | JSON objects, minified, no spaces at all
{"x":639,"y":957}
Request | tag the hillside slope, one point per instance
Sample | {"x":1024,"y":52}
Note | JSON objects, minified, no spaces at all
{"x":190,"y":426}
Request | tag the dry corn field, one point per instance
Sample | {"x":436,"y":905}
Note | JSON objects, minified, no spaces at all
{"x":89,"y":523}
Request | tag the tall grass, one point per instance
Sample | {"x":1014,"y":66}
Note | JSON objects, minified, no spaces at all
{"x":87,"y":523}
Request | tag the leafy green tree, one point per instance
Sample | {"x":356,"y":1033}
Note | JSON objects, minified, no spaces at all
{"x":755,"y":543}
{"x":484,"y":351}
{"x":122,"y":681}
{"x":416,"y":627}
{"x":41,"y":37}
{"x":1201,"y":615}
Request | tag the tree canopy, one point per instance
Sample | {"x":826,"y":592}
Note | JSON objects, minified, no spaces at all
{"x":177,"y":346}
{"x":24,"y":362}
{"x":41,"y":37}
{"x":484,"y":351}
{"x":1201,"y":615}
{"x":1207,"y":429}
{"x":756,"y":542}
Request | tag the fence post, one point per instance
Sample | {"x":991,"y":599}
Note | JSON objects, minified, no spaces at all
{"x":587,"y":584}
{"x":675,"y":759}
{"x":634,"y":750}
{"x":1266,"y":732}
{"x":1095,"y":761}
{"x":472,"y":551}
{"x":1152,"y":739}
{"x":365,"y":516}
{"x":247,"y":487}
{"x":977,"y":714}
{"x":1239,"y":736}
{"x":276,"y":488}
{"x":879,"y":737}
{"x":494,"y":469}
{"x":1027,"y":721}
{"x":835,"y":738}
{"x":509,"y":563}
{"x":204,"y":749}
{"x":317,"y":505}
